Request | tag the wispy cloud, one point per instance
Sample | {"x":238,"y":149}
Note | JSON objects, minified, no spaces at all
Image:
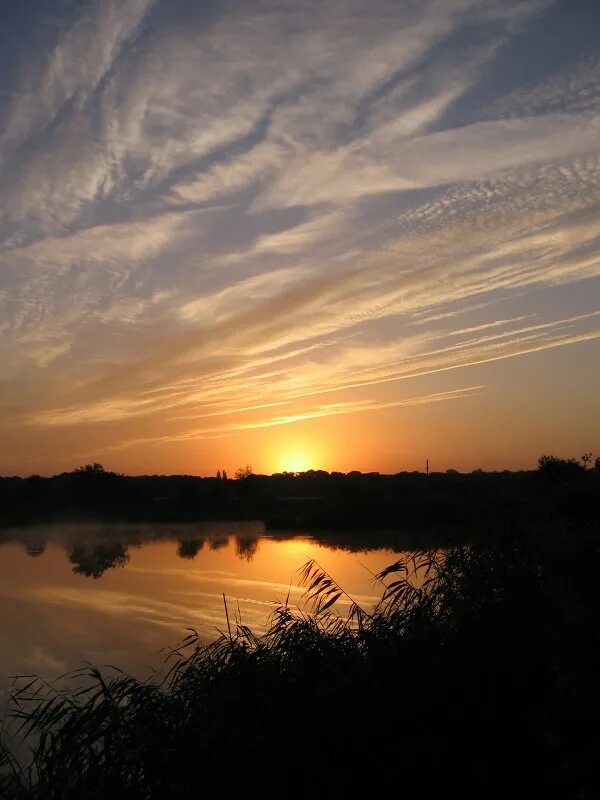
{"x":75,"y":65}
{"x":316,"y":412}
{"x":242,"y":208}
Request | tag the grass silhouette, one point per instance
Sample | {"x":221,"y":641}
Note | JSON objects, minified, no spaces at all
{"x":476,"y":671}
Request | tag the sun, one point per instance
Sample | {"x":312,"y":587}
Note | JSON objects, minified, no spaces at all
{"x":296,"y":454}
{"x":295,"y":461}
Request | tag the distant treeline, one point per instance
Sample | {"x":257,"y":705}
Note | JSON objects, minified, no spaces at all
{"x":559,"y":489}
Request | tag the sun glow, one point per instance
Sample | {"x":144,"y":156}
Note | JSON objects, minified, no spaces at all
{"x":296,"y":461}
{"x":296,"y":452}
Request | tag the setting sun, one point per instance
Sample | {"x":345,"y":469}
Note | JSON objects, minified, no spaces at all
{"x":296,"y":461}
{"x":296,"y":453}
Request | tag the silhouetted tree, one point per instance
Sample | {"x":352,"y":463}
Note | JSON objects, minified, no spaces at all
{"x":91,"y":469}
{"x":243,"y":472}
{"x":558,"y":468}
{"x":189,"y":548}
{"x":217,"y":544}
{"x":246,"y":547}
{"x":95,"y":560}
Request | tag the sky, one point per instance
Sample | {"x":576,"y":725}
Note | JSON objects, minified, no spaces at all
{"x":344,"y":234}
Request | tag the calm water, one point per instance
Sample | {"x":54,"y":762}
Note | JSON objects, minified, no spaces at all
{"x":116,"y":594}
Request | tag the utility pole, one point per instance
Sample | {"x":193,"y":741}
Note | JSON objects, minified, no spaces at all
{"x":427,"y":467}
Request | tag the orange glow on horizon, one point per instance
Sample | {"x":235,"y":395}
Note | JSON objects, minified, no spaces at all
{"x":295,"y":454}
{"x":296,"y":461}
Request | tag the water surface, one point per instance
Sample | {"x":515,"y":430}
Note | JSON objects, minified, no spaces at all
{"x":117,"y":594}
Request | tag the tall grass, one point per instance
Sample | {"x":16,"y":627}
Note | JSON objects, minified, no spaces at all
{"x":476,"y":672}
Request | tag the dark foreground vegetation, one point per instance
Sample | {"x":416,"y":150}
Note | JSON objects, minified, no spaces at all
{"x":475,"y":676}
{"x":313,"y":500}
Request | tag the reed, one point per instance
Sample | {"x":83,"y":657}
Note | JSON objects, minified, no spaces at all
{"x":476,"y":670}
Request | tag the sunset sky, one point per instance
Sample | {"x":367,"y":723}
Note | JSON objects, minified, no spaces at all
{"x":298,"y":233}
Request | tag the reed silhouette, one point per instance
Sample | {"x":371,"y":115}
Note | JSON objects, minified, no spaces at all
{"x":475,"y":673}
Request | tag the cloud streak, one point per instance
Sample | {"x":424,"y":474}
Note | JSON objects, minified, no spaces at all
{"x":190,"y":231}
